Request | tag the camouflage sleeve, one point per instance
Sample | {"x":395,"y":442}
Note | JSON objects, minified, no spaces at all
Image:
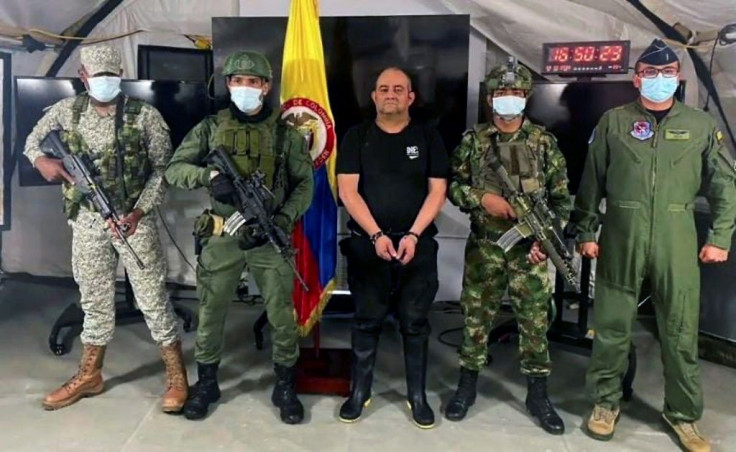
{"x":461,"y":191}
{"x":556,"y":178}
{"x":56,"y":117}
{"x":187,"y":168}
{"x":158,"y":144}
{"x":720,"y":179}
{"x":299,"y":171}
{"x":586,"y":216}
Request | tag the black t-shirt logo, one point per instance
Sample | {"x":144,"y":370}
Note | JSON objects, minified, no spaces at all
{"x":412,"y":152}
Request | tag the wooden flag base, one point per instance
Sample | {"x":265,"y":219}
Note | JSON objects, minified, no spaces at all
{"x":323,"y":370}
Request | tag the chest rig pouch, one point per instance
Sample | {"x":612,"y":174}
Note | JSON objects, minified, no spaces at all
{"x":522,"y":157}
{"x":121,"y":168}
{"x":257,"y":146}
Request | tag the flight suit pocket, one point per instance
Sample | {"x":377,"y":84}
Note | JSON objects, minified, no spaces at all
{"x":687,"y":207}
{"x":625,"y":204}
{"x":628,"y":151}
{"x":691,"y":155}
{"x":623,"y":237}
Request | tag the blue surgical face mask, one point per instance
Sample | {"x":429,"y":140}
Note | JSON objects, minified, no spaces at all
{"x":659,"y":88}
{"x":104,"y":88}
{"x":246,"y":98}
{"x":509,"y":107}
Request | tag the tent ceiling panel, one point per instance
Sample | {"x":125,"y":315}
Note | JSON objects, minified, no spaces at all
{"x":50,"y":15}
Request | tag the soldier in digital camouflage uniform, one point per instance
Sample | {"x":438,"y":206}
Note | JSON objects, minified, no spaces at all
{"x":87,"y":122}
{"x":533,"y":160}
{"x":257,"y":139}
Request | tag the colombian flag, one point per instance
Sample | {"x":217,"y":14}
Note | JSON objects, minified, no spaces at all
{"x":304,"y":104}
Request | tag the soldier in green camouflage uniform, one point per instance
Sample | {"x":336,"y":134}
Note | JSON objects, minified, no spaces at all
{"x":532,"y":159}
{"x":87,"y":123}
{"x":257,"y":139}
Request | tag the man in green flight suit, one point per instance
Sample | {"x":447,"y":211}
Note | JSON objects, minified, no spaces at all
{"x":534,"y":162}
{"x":649,"y":159}
{"x":257,"y":140}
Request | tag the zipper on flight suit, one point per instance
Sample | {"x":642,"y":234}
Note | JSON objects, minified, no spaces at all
{"x":655,"y":129}
{"x":655,"y":138}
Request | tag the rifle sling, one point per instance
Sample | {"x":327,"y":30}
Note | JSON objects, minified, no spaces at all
{"x":120,"y":167}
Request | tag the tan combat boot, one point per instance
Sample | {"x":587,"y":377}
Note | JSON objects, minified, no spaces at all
{"x":690,"y":437}
{"x":177,"y":387}
{"x":87,"y":382}
{"x":602,"y":422}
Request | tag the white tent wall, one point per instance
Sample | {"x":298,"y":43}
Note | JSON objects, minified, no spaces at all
{"x":38,"y":242}
{"x":520,"y":28}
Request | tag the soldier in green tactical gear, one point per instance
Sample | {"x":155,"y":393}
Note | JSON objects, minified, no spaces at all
{"x":649,"y":159}
{"x":257,"y":140}
{"x":533,"y":161}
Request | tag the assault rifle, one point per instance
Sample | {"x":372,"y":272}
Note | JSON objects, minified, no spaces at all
{"x":535,"y":218}
{"x":252,"y":197}
{"x":84,"y":181}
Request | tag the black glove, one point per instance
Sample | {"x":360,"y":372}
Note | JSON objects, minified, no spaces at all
{"x":222,"y":189}
{"x":283,"y":222}
{"x":250,"y":239}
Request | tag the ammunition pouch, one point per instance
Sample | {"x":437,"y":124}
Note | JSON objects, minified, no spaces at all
{"x":209,"y":224}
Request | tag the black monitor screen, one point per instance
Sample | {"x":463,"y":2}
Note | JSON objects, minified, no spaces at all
{"x":571,"y":110}
{"x":182,"y":104}
{"x":434,"y":50}
{"x":172,"y":63}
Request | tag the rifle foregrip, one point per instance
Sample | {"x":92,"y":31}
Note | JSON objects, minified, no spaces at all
{"x":562,"y":265}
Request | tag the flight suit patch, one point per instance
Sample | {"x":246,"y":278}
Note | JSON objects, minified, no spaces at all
{"x":676,"y":134}
{"x":642,"y":130}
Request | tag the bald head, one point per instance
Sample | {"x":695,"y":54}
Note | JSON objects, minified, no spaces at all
{"x":392,"y":93}
{"x":394,"y":73}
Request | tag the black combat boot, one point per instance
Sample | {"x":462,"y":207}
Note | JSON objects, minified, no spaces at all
{"x":464,"y":397}
{"x":364,"y":346}
{"x":284,"y":395}
{"x":204,"y":392}
{"x":539,"y":406}
{"x":415,"y":360}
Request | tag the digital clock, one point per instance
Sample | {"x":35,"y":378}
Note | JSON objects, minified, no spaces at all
{"x":585,"y":58}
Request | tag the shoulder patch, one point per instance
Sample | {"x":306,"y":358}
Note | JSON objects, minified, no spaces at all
{"x":550,"y":136}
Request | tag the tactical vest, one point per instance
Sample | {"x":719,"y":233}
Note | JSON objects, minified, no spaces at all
{"x":256,"y":146}
{"x":523,"y":159}
{"x":123,"y":189}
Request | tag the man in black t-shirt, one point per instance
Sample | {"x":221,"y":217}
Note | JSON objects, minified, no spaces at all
{"x":392,"y":178}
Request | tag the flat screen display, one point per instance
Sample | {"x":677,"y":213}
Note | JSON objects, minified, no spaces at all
{"x":434,"y":49}
{"x":570,"y":111}
{"x":182,"y":104}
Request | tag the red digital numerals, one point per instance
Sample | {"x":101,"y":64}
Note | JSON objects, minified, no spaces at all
{"x":586,"y":54}
{"x":559,"y":54}
{"x":610,"y":54}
